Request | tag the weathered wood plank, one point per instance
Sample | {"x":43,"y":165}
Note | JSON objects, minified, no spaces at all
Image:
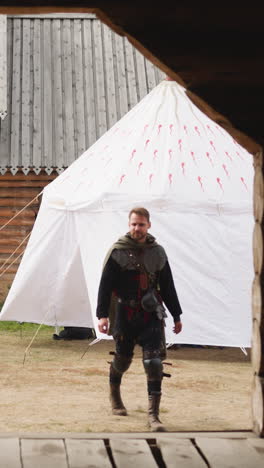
{"x":258,"y":404}
{"x":229,"y":453}
{"x":56,"y":16}
{"x":10,"y":453}
{"x":121,"y":92}
{"x":16,"y":222}
{"x":37,"y":90}
{"x":141,"y":75}
{"x":17,"y":203}
{"x":5,"y":132}
{"x":16,"y":102}
{"x":47,"y":96}
{"x":26,"y":111}
{"x":99,"y":79}
{"x":150,"y":75}
{"x":15,"y":233}
{"x":131,"y":435}
{"x":89,"y":99}
{"x":257,"y":358}
{"x":256,"y":299}
{"x":67,"y":93}
{"x":43,"y":453}
{"x":131,"y":75}
{"x":78,"y":85}
{"x":58,"y":153}
{"x":160,"y":75}
{"x":87,"y":454}
{"x":180,"y":452}
{"x":258,"y":198}
{"x":23,"y":183}
{"x":3,"y":67}
{"x":8,"y":212}
{"x":132,"y":453}
{"x":107,"y":36}
{"x":17,"y":192}
{"x":257,"y":248}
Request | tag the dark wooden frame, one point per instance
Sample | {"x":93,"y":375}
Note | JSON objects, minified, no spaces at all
{"x":124,"y":18}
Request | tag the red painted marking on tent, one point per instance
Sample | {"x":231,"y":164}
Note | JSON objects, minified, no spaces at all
{"x":132,"y":154}
{"x":197,"y":130}
{"x":145,"y":128}
{"x":209,"y":128}
{"x":219,"y":183}
{"x":228,"y":155}
{"x":150,"y":178}
{"x":159,"y":128}
{"x":225,"y":169}
{"x":122,"y":178}
{"x":170,"y":153}
{"x":239,"y":155}
{"x":180,"y":144}
{"x":219,"y":129}
{"x":183,"y":167}
{"x":185,"y":129}
{"x":200,"y":182}
{"x":244,"y":183}
{"x":212,"y":144}
{"x":155,"y":154}
{"x":171,"y":128}
{"x":193,"y":157}
{"x":170,"y":178}
{"x":139,"y":166}
{"x":209,"y":157}
{"x":146,"y":143}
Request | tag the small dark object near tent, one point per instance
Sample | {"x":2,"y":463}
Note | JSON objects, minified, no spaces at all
{"x":75,"y":333}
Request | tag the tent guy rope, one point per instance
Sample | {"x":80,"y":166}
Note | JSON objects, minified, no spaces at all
{"x":19,"y":212}
{"x":6,"y":224}
{"x":10,"y":256}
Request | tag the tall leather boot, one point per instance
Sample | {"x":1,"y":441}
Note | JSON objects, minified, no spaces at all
{"x":118,"y":407}
{"x":153,"y":413}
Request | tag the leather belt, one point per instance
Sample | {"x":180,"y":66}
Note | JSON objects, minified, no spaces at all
{"x":129,"y":302}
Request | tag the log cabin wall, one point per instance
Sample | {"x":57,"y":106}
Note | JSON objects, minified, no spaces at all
{"x":257,"y":352}
{"x":16,"y":191}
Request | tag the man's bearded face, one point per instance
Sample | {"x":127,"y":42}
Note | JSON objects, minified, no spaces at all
{"x":138,"y":227}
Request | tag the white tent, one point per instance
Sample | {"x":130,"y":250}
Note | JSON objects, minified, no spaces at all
{"x":196,"y":181}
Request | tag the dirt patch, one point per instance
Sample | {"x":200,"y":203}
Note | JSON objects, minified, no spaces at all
{"x":60,"y":389}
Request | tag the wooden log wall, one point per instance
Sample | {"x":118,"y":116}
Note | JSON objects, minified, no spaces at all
{"x":257,"y":302}
{"x":16,"y":191}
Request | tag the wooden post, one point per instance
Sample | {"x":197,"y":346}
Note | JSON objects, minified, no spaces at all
{"x":257,"y":302}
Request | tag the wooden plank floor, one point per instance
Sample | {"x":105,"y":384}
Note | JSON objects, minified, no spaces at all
{"x":140,"y":450}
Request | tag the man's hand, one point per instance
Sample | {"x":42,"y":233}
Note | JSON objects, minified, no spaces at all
{"x":177,"y":327}
{"x":103,"y":325}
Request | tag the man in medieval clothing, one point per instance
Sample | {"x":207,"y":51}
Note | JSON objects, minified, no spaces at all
{"x":137,"y":275}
